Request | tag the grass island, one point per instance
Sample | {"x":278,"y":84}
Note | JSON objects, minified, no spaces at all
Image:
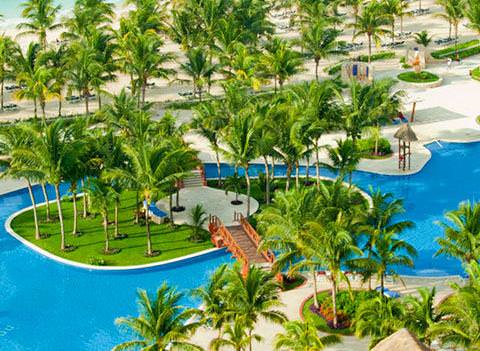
{"x":422,"y":77}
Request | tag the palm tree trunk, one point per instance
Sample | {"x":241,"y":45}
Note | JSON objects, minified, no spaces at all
{"x":116,"y":234}
{"x":137,"y":207}
{"x":317,"y":164}
{"x":297,"y":175}
{"x":60,"y":216}
{"x":47,"y":201}
{"x":307,"y":169}
{"x":35,"y":114}
{"x":144,"y":89}
{"x":355,"y":16}
{"x":99,"y":99}
{"x":273,"y":168}
{"x":44,"y":117}
{"x":369,"y":49}
{"x":34,"y":206}
{"x":317,"y":63}
{"x":170,"y":206}
{"x":401,"y":22}
{"x":382,"y":283}
{"x":87,"y":111}
{"x":267,"y":181}
{"x":419,"y":4}
{"x":334,"y":301}
{"x":393,"y":30}
{"x":247,"y":178}
{"x":457,"y":56}
{"x":2,"y":94}
{"x":289,"y":173}
{"x":105,"y":231}
{"x":84,"y":200}
{"x":219,"y":168}
{"x":315,"y":289}
{"x":147,"y":227}
{"x":75,"y":213}
{"x":250,"y":331}
{"x":177,"y":196}
{"x":60,"y":106}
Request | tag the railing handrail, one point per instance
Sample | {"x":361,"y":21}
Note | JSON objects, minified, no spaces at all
{"x":253,"y":235}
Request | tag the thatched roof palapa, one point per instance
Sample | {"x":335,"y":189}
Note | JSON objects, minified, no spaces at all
{"x":402,"y":340}
{"x":405,"y":133}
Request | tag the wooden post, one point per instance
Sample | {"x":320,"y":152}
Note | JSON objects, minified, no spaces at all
{"x":414,"y":107}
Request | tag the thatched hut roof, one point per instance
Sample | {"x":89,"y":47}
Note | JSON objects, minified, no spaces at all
{"x":405,"y":133}
{"x":402,"y":340}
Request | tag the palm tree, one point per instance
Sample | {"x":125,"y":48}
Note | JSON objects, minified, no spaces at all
{"x":344,"y":158}
{"x":370,"y":23}
{"x":301,"y":336}
{"x":392,"y":8}
{"x":235,"y":337}
{"x":40,"y":17}
{"x":102,"y":196}
{"x":254,"y":296}
{"x":423,"y":38}
{"x":213,"y":297}
{"x":381,"y":218}
{"x":162,"y":324}
{"x":240,"y":145}
{"x":280,"y":61}
{"x":421,"y":314}
{"x":285,"y":229}
{"x":461,"y":233}
{"x":7,"y":49}
{"x":378,"y":318}
{"x":337,"y":248}
{"x":13,"y":139}
{"x":473,"y":14}
{"x":209,"y":122}
{"x":88,"y":16}
{"x":320,"y":42}
{"x":144,"y":60}
{"x":199,"y":69}
{"x":454,"y":14}
{"x":234,"y":183}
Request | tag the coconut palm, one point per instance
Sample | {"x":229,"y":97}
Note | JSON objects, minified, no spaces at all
{"x":143,"y":59}
{"x":280,"y":62}
{"x":337,"y":247}
{"x":344,"y":158}
{"x":88,"y":16}
{"x":7,"y":49}
{"x":285,"y":229}
{"x":473,"y":15}
{"x":13,"y":139}
{"x":454,"y":13}
{"x":421,"y":314}
{"x":378,"y":318}
{"x":356,"y":6}
{"x":301,"y":336}
{"x":371,"y":23}
{"x":393,"y":9}
{"x":235,"y":337}
{"x":240,"y":145}
{"x":162,"y":323}
{"x":102,"y":196}
{"x":198,"y":218}
{"x":254,"y":297}
{"x":234,"y":183}
{"x":423,"y":38}
{"x":320,"y":42}
{"x":40,"y":16}
{"x":460,"y":327}
{"x":214,"y":311}
{"x":461,"y":233}
{"x":199,"y":69}
{"x":209,"y":122}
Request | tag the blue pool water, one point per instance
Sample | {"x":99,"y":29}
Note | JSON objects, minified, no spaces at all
{"x":451,"y":176}
{"x":46,"y":305}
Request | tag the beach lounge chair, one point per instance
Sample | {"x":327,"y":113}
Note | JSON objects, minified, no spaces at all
{"x":157,"y":215}
{"x":388,"y":293}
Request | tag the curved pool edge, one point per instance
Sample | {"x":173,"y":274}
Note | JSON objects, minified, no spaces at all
{"x":85,"y":266}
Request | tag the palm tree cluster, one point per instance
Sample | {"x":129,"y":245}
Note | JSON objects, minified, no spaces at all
{"x":329,"y":229}
{"x":127,"y":150}
{"x":221,"y":40}
{"x":287,"y":127}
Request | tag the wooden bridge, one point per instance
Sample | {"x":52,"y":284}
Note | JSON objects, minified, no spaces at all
{"x":241,"y":240}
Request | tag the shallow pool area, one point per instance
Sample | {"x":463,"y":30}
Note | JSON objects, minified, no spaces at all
{"x":46,"y":305}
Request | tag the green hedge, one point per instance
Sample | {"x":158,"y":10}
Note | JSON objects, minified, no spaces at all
{"x":367,"y":146}
{"x":422,"y":77}
{"x":383,"y":55}
{"x":476,"y":73}
{"x":466,"y":49}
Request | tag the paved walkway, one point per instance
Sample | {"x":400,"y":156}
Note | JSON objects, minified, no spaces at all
{"x":214,"y":201}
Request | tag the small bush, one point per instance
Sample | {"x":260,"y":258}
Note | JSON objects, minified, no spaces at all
{"x":367,"y":146}
{"x":476,"y":73}
{"x":96,"y":261}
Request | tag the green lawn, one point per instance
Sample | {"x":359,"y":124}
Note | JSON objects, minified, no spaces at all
{"x":422,"y":77}
{"x":172,"y":242}
{"x":466,"y":49}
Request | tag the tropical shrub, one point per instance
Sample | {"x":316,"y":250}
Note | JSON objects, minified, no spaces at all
{"x":367,"y":146}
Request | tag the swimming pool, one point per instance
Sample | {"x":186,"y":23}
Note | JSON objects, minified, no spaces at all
{"x":45,"y":305}
{"x":451,"y":176}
